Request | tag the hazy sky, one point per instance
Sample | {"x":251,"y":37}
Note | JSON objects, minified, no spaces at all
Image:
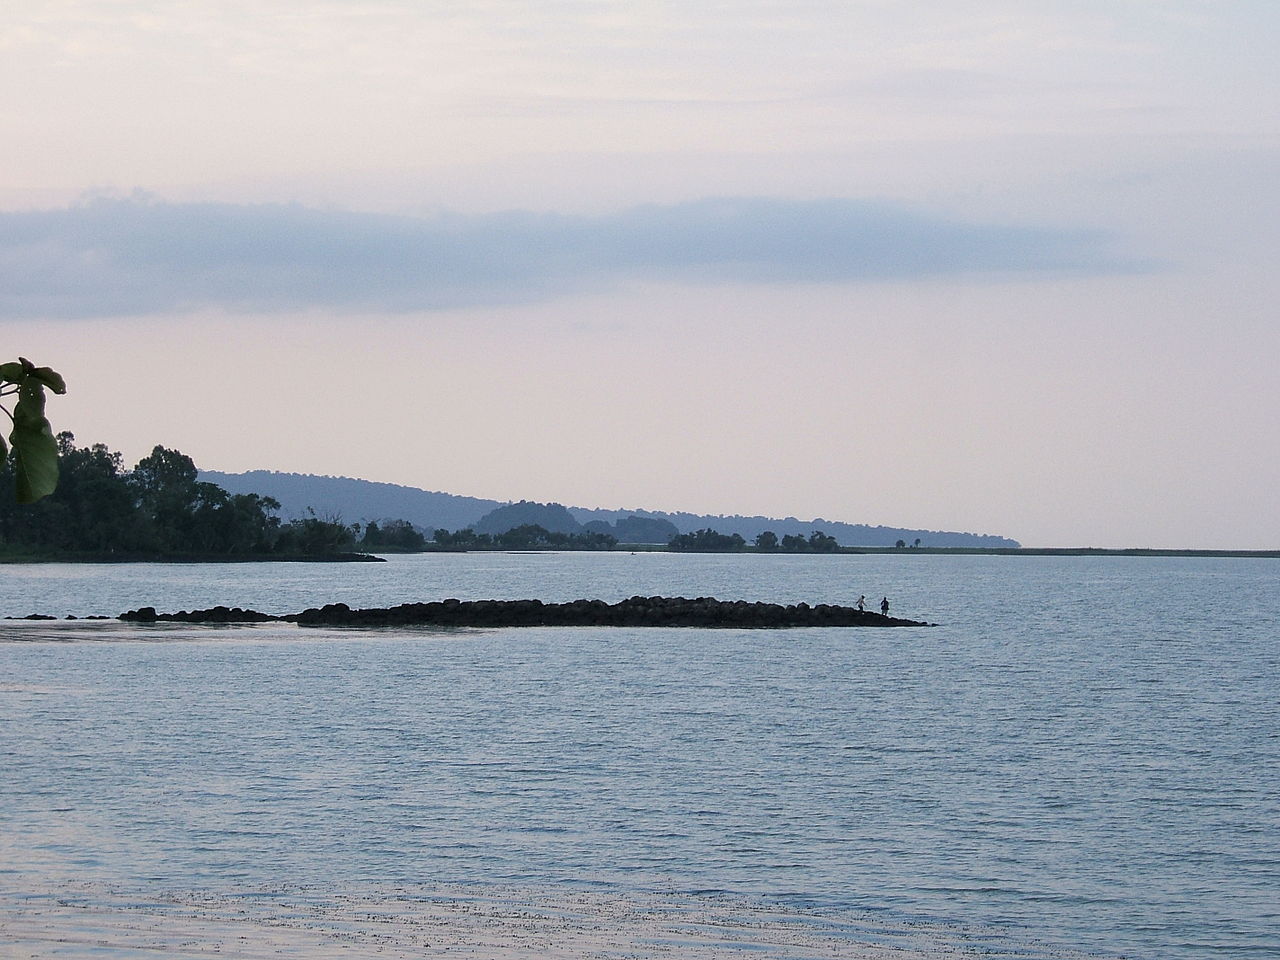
{"x":1005,"y":266}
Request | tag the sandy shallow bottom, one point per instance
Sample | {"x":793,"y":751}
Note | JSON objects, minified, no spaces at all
{"x":80,"y":923}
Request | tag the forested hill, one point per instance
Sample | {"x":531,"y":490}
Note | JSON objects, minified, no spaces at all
{"x":846,"y":534}
{"x":355,"y":500}
{"x":362,"y":500}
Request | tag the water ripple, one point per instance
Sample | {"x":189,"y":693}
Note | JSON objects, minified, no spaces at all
{"x":1048,"y":772}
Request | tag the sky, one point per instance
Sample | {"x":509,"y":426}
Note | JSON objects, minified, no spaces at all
{"x":1000,"y":266}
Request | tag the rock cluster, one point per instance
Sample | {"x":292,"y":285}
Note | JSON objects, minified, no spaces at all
{"x":635,"y":612}
{"x":212,"y":615}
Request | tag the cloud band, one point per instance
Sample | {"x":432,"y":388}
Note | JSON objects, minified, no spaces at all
{"x":141,"y":257}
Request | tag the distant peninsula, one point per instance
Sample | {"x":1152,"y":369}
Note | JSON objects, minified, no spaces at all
{"x":302,"y":495}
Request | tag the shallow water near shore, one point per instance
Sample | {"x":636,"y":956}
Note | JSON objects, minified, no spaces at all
{"x":1080,"y":757}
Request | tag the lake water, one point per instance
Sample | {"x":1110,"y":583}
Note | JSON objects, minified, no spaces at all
{"x":1084,"y":755}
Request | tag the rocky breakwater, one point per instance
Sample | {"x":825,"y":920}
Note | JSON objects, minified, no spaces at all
{"x":212,"y":615}
{"x":635,"y":612}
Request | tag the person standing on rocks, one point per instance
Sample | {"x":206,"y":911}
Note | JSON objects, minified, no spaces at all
{"x":884,"y":606}
{"x":862,"y":603}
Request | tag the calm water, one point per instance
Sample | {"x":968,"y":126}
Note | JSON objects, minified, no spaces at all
{"x":1083,"y":755}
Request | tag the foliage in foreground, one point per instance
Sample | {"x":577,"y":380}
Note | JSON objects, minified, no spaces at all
{"x":35,"y":451}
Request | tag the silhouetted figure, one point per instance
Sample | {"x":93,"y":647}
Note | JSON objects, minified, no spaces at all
{"x":884,"y":606}
{"x":862,"y":602}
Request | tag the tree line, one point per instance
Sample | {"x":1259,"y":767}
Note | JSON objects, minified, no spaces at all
{"x":531,"y":535}
{"x":525,"y":536}
{"x":816,"y":542}
{"x":159,"y":508}
{"x":393,"y":536}
{"x":711,"y":541}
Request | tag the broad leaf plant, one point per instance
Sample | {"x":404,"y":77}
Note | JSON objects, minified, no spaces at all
{"x":35,"y":451}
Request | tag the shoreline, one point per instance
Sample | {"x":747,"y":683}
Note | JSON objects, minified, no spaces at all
{"x":380,"y":557}
{"x":191,"y":558}
{"x":405,"y":922}
{"x":1066,"y":552}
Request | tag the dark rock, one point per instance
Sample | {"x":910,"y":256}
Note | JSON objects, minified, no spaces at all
{"x":635,"y":612}
{"x":218,"y":614}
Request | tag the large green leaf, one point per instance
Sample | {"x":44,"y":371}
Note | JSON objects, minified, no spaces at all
{"x":35,"y":451}
{"x":50,"y":378}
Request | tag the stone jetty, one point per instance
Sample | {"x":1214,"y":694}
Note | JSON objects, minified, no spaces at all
{"x":635,"y":612}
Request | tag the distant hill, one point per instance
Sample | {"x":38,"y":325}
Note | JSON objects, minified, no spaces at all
{"x":363,"y":500}
{"x":847,"y":534}
{"x":356,"y":500}
{"x":633,"y":529}
{"x":549,"y":516}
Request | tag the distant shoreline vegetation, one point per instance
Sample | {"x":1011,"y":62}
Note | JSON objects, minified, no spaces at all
{"x":710,"y":541}
{"x":158,"y":511}
{"x":526,"y":536}
{"x":433,"y":510}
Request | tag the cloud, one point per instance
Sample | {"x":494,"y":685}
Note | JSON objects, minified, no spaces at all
{"x":136,"y":256}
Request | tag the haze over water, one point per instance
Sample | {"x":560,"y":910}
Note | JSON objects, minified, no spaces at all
{"x":1080,"y":757}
